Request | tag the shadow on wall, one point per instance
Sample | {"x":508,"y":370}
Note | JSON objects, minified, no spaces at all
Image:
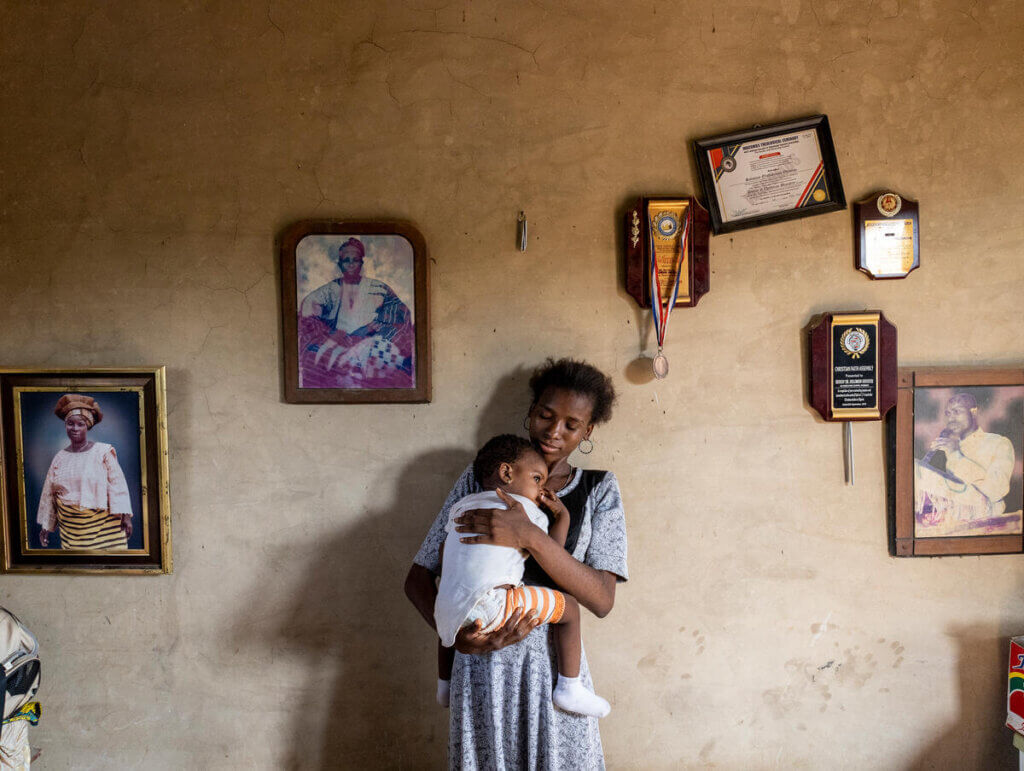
{"x":977,"y":738}
{"x":361,"y":657}
{"x":367,"y":660}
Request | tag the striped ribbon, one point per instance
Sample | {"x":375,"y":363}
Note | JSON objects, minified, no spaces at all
{"x":659,"y":310}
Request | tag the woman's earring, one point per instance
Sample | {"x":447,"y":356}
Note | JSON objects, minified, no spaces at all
{"x":526,"y":422}
{"x":589,"y":449}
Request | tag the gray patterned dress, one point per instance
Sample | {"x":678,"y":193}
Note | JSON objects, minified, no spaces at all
{"x":501,"y":711}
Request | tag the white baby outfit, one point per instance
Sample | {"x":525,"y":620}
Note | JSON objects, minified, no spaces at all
{"x":470,"y":572}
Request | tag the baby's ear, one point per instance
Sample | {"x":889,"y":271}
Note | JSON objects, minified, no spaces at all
{"x":505,"y":472}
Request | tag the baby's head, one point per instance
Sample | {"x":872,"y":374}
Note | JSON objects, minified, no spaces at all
{"x":511,"y":463}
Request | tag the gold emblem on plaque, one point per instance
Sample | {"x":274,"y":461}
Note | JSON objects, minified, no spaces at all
{"x":889,"y":204}
{"x":854,"y":342}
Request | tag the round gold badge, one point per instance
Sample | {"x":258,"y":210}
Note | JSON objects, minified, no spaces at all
{"x":889,"y":204}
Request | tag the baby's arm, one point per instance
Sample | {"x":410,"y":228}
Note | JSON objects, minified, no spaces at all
{"x":560,"y":529}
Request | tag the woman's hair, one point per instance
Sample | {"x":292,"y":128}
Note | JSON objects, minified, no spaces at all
{"x":579,"y":377}
{"x":504,"y":448}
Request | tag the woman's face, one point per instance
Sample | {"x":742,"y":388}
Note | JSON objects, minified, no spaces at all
{"x":77,"y":428}
{"x":559,"y":421}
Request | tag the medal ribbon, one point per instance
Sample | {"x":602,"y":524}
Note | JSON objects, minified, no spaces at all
{"x":659,"y":310}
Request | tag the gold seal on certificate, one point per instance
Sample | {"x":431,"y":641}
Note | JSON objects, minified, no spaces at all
{"x":769,"y":174}
{"x":887,"y":235}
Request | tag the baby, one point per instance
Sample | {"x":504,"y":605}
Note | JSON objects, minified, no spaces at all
{"x":481,"y":584}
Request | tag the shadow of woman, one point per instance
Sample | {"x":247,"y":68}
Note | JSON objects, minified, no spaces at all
{"x":365,"y":660}
{"x":361,"y":657}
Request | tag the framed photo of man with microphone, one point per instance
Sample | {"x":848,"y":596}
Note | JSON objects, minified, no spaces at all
{"x":956,"y":446}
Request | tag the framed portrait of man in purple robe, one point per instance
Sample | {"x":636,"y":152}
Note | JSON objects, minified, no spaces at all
{"x":355,"y":313}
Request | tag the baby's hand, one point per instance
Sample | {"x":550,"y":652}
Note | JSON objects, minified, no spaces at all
{"x":553,"y":504}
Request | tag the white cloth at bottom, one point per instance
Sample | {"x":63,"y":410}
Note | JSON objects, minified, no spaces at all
{"x":15,"y":753}
{"x":470,"y":571}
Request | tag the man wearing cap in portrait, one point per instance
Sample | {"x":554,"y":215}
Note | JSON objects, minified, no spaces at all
{"x":85,"y":495}
{"x":354,"y":331}
{"x":976,"y":480}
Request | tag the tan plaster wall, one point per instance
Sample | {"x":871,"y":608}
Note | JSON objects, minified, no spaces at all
{"x":151,"y":151}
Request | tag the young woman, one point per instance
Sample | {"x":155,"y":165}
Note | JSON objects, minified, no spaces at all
{"x":501,"y":710}
{"x":85,"y":496}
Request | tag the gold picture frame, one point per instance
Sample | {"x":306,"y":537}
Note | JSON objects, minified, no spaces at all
{"x":70,"y":485}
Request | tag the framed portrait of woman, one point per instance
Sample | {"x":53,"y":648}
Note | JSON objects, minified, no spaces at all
{"x":355,"y":313}
{"x":83,"y":471}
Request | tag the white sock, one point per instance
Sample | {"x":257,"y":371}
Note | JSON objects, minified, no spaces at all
{"x":444,"y":690}
{"x":572,"y":696}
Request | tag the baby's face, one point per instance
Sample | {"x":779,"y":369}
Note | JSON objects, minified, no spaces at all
{"x":528,"y":476}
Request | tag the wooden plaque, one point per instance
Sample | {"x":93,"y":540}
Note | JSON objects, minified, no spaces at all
{"x":887,"y":235}
{"x":695,"y":281}
{"x":852,"y":366}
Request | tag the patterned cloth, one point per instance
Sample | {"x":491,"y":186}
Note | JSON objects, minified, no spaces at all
{"x":30,"y":712}
{"x":501,"y":711}
{"x":87,"y":480}
{"x":549,"y":604}
{"x":89,"y":528}
{"x":355,"y":336}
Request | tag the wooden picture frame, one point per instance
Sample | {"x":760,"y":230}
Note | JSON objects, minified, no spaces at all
{"x":955,"y":489}
{"x":95,"y":502}
{"x":769,"y":174}
{"x":355,"y":312}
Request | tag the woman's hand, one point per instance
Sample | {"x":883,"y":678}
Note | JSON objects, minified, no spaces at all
{"x":44,"y":537}
{"x":498,"y":527}
{"x":126,"y":525}
{"x":472,"y":641}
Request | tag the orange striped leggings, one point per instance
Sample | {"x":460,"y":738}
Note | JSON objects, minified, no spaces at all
{"x":498,"y":604}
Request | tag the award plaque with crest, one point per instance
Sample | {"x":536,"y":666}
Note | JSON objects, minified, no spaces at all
{"x":887,"y":235}
{"x":852,"y":370}
{"x":667,"y":259}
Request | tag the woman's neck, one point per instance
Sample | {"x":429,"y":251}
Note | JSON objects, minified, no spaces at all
{"x":80,"y":447}
{"x":559,"y":469}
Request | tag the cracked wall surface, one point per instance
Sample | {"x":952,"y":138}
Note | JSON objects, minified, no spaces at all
{"x":151,"y":152}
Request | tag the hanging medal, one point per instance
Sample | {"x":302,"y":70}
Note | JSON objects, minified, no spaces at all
{"x":669,"y":231}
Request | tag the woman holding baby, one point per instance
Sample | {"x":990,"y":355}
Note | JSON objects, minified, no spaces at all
{"x":502,"y":715}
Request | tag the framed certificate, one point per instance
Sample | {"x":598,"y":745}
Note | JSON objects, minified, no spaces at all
{"x":887,"y":235}
{"x":769,"y":174}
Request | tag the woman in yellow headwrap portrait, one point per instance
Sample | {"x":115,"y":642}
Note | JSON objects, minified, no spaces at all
{"x":85,"y":495}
